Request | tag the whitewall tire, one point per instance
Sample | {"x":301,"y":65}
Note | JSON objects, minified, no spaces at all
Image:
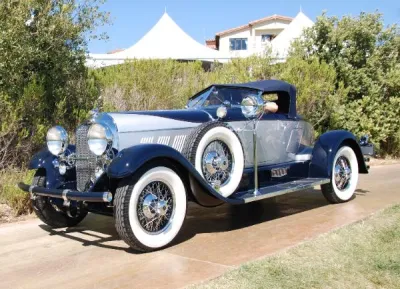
{"x":217,"y":154}
{"x":344,"y":177}
{"x":150,"y":209}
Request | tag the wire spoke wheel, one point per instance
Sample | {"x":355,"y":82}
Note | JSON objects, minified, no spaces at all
{"x":155,"y":207}
{"x":217,"y":163}
{"x":344,"y":177}
{"x":342,"y":173}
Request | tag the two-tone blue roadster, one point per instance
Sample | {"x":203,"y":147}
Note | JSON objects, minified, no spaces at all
{"x":233,"y":144}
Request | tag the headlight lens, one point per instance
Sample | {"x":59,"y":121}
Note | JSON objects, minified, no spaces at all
{"x":99,"y":138}
{"x":57,"y":140}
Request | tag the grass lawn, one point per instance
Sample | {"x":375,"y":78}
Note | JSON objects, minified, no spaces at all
{"x":362,"y":255}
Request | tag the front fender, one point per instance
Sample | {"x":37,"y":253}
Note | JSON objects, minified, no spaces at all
{"x":129,"y":160}
{"x":44,"y":160}
{"x":325,"y":150}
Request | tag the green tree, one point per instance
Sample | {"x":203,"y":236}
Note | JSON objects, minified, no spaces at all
{"x":366,"y":58}
{"x":43,"y":79}
{"x":317,"y":97}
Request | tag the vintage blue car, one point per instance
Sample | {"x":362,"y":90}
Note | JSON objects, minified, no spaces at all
{"x":235,"y":144}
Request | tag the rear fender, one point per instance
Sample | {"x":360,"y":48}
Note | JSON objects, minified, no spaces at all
{"x":130,"y":160}
{"x":325,"y":150}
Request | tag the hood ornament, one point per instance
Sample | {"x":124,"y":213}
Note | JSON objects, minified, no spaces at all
{"x":94,"y":113}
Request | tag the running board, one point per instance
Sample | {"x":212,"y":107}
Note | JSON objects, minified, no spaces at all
{"x":280,"y":189}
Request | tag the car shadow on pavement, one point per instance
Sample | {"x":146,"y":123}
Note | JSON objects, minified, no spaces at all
{"x":361,"y":192}
{"x":94,"y":230}
{"x":229,"y":217}
{"x":97,"y":230}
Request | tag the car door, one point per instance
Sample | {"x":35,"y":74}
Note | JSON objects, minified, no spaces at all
{"x":272,"y":132}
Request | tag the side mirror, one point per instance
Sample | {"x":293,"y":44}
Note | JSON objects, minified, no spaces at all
{"x":252,"y":106}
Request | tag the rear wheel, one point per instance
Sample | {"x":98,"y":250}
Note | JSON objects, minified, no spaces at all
{"x":150,"y":208}
{"x":344,"y":177}
{"x":49,"y":213}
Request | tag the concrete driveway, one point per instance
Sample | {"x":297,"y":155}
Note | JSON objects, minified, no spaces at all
{"x":32,"y":255}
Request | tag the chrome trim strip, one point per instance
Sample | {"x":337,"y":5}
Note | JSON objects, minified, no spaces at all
{"x":147,"y":139}
{"x":153,"y":130}
{"x":163,"y":140}
{"x":178,"y":143}
{"x":303,"y":157}
{"x":284,"y":191}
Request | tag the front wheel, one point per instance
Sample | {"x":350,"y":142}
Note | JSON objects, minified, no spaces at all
{"x":51,"y":214}
{"x":150,"y":208}
{"x":344,"y":177}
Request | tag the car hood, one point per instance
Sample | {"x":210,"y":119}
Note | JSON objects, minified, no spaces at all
{"x":158,"y":119}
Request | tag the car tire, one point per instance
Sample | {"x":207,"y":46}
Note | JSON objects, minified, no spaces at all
{"x":51,"y":214}
{"x":199,"y":141}
{"x":344,"y":179}
{"x":136,"y":205}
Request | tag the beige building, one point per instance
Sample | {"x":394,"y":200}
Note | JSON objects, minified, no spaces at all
{"x":258,"y":35}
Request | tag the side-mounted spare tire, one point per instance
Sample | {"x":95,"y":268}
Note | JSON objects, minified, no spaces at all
{"x":216,"y":152}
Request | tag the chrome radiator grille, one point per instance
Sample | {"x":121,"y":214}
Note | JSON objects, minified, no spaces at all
{"x":85,"y":159}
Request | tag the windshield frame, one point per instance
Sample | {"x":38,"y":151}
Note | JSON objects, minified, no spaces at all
{"x":203,"y":95}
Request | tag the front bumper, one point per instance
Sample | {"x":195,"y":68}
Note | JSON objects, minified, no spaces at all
{"x":68,"y":195}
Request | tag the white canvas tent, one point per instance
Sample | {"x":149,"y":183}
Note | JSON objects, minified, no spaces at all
{"x":281,"y":44}
{"x":166,"y":40}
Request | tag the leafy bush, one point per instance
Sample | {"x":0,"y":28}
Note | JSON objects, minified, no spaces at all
{"x":317,"y":97}
{"x":10,"y":194}
{"x":165,"y":84}
{"x":366,"y":58}
{"x":43,"y":79}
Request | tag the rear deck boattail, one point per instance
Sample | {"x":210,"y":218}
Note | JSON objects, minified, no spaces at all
{"x":234,"y":143}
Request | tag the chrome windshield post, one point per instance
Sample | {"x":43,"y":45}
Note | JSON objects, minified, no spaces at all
{"x":256,"y":191}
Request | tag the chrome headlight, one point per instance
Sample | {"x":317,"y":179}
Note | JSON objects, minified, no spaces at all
{"x":100,"y":139}
{"x":57,"y":140}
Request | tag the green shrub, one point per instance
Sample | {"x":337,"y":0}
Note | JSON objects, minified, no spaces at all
{"x":10,"y":194}
{"x":366,"y":58}
{"x":43,"y":79}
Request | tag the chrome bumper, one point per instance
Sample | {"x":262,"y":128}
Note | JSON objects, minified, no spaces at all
{"x":67,"y":195}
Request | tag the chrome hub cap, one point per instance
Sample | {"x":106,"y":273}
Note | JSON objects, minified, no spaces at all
{"x":155,"y":207}
{"x":217,"y":163}
{"x":342,"y":173}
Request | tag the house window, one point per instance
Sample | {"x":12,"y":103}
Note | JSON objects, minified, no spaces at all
{"x":267,"y":37}
{"x":238,"y":43}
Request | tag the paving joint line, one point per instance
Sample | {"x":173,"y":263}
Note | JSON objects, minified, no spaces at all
{"x":203,"y":261}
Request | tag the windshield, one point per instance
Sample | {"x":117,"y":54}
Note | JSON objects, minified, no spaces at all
{"x":216,"y":95}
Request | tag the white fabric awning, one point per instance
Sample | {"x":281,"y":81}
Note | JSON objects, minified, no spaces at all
{"x":281,"y":44}
{"x":166,"y":40}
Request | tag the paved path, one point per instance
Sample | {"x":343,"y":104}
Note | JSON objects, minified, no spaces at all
{"x":33,"y":255}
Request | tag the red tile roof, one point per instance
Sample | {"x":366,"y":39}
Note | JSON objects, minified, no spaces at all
{"x":115,"y":51}
{"x":268,"y":18}
{"x":211,"y":43}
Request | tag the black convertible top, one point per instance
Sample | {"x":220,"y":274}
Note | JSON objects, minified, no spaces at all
{"x":285,"y":91}
{"x":265,"y":85}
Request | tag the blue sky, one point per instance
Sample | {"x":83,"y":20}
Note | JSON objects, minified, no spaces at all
{"x":203,"y":18}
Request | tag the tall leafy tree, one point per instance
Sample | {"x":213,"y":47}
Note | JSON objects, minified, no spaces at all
{"x":366,"y":57}
{"x":43,"y":79}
